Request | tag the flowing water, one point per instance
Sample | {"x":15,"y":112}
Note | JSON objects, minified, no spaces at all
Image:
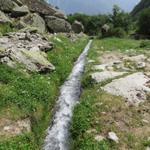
{"x":57,"y":134}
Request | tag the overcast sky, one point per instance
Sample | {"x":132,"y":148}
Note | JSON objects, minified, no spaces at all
{"x":92,"y":6}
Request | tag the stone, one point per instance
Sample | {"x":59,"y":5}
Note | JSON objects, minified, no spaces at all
{"x":91,"y":61}
{"x":112,"y":136}
{"x":57,"y":24}
{"x":43,"y":8}
{"x":132,"y":87}
{"x":147,"y":148}
{"x":138,"y":58}
{"x":27,"y":49}
{"x":105,"y":29}
{"x":36,"y":21}
{"x":105,"y":75}
{"x":18,"y":2}
{"x":59,"y":14}
{"x":101,"y":67}
{"x":7,"y":5}
{"x":19,"y":11}
{"x":77,"y":27}
{"x":4,"y":19}
{"x":99,"y":138}
{"x":141,"y":65}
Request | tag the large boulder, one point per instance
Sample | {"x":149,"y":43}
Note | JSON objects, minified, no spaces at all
{"x":57,"y":24}
{"x":42,"y":8}
{"x":36,"y":21}
{"x":7,"y":5}
{"x":4,"y":19}
{"x":77,"y":27}
{"x":19,"y":11}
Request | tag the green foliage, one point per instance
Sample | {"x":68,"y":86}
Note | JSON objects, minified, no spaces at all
{"x":4,"y":28}
{"x":15,"y":144}
{"x":118,"y":32}
{"x":144,"y":22}
{"x":145,"y":44}
{"x":120,"y":19}
{"x":141,"y":6}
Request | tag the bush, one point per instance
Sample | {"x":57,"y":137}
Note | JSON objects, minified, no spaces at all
{"x":118,"y":32}
{"x":145,"y":44}
{"x":144,"y":22}
{"x":5,"y":28}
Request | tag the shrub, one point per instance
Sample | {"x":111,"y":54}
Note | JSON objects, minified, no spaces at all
{"x":145,"y":44}
{"x":4,"y":28}
{"x":144,"y":22}
{"x":118,"y":32}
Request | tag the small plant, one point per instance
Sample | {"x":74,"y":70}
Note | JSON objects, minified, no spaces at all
{"x":5,"y":28}
{"x":87,"y":81}
{"x":145,"y":44}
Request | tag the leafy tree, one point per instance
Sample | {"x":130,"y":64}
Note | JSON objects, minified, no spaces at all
{"x":144,"y":22}
{"x":120,"y":19}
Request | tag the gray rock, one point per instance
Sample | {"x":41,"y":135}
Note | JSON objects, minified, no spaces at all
{"x":36,"y":21}
{"x":18,"y":2}
{"x":43,"y":8}
{"x":57,"y":25}
{"x":59,"y":14}
{"x":99,"y":138}
{"x":132,"y":87}
{"x":19,"y":11}
{"x":26,"y":49}
{"x":112,"y":136}
{"x":7,"y":5}
{"x":105,"y":29}
{"x":4,"y":19}
{"x":77,"y":27}
{"x":105,"y":75}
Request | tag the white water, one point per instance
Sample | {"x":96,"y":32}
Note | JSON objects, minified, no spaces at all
{"x":57,"y":134}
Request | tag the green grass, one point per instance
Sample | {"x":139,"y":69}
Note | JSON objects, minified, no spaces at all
{"x":100,"y":111}
{"x":5,"y":28}
{"x":34,"y":95}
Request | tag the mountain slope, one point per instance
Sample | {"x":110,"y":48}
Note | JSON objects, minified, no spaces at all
{"x":142,"y":5}
{"x":90,"y":7}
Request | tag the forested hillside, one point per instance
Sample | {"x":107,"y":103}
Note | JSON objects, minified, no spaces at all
{"x":142,"y":5}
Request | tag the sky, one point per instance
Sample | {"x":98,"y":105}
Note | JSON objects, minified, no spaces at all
{"x":92,"y":6}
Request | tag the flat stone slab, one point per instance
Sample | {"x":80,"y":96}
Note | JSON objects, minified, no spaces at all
{"x":105,"y":75}
{"x":132,"y":87}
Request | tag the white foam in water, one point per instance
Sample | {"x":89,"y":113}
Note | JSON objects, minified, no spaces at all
{"x":57,"y":133}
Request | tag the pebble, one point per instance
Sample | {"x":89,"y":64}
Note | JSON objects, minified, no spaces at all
{"x":112,"y":136}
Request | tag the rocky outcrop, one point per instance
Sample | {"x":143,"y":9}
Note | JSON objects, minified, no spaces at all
{"x":57,"y":24}
{"x":34,"y":20}
{"x":7,"y":5}
{"x":25,"y":13}
{"x":26,"y":49}
{"x":42,"y":8}
{"x":19,"y":11}
{"x":4,"y":19}
{"x":77,"y":27}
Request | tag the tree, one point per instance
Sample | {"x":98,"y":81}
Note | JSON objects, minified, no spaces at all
{"x":144,"y":22}
{"x":120,"y":19}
